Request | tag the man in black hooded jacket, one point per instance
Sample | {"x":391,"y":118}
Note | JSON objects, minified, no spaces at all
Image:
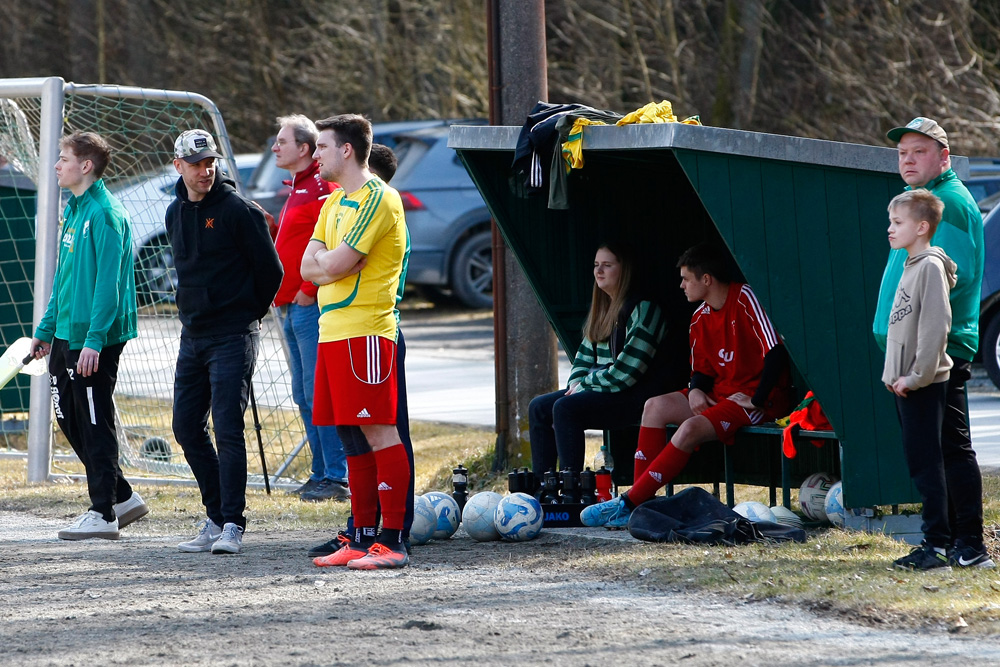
{"x":227,"y":275}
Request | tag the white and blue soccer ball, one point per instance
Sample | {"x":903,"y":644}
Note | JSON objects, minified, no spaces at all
{"x":479,"y":514}
{"x":812,"y":495}
{"x":424,"y":521}
{"x":787,"y":517}
{"x":754,"y":511}
{"x":448,"y":515}
{"x":834,"y":505}
{"x":518,"y":517}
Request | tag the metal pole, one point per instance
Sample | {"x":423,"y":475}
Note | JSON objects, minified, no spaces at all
{"x":46,"y":245}
{"x":260,"y":441}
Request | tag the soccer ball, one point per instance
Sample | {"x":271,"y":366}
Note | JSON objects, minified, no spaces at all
{"x":155,"y":449}
{"x":518,"y":517}
{"x":812,"y":495}
{"x":447,"y":512}
{"x":755,"y":511}
{"x":834,"y":505}
{"x":786,"y":517}
{"x":424,"y":521}
{"x":478,"y":516}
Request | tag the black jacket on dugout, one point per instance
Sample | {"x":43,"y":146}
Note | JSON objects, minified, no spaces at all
{"x":227,"y":268}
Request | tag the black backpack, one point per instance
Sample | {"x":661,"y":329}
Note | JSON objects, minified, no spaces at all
{"x":695,"y":516}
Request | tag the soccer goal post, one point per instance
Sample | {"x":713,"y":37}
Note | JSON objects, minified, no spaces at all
{"x":141,"y":125}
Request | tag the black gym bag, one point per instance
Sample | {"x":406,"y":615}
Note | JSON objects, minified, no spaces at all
{"x":695,"y":516}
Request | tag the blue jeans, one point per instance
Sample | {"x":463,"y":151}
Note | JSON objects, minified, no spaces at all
{"x":301,"y":324}
{"x":213,"y":376}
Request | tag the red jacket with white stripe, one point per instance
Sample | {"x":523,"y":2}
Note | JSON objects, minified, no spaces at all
{"x":295,"y":227}
{"x":729,"y":344}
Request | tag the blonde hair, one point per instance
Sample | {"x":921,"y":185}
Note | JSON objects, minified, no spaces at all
{"x":604,"y":308}
{"x":922,"y":205}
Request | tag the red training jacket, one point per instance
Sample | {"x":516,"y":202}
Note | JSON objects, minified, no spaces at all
{"x":295,"y":227}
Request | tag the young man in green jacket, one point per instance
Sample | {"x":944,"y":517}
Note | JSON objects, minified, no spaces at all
{"x":90,"y":316}
{"x":925,"y":162}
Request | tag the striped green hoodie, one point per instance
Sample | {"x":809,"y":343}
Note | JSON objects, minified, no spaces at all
{"x":596,"y":368}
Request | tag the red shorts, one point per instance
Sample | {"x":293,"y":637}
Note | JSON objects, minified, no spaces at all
{"x":355,"y":382}
{"x":727,"y":417}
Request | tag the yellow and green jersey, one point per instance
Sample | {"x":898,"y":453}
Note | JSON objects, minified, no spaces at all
{"x":370,"y":221}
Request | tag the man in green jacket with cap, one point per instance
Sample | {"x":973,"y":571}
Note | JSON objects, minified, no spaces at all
{"x":90,"y":316}
{"x":925,"y":162}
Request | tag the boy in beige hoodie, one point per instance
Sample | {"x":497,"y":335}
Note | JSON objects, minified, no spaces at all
{"x":917,"y":365}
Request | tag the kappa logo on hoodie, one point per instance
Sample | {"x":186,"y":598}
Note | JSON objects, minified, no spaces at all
{"x":902,"y":307}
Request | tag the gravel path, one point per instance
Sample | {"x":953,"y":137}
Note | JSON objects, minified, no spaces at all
{"x":138,"y":601}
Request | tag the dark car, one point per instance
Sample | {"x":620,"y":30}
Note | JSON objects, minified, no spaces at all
{"x":989,"y":304}
{"x":984,"y":182}
{"x":450,"y":241}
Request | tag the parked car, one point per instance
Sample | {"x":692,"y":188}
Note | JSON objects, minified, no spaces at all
{"x":449,"y":224}
{"x":984,"y":182}
{"x":146,"y":198}
{"x":267,"y":186}
{"x":989,"y":303}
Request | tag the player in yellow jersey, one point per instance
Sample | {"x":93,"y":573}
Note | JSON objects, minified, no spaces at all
{"x":356,"y":256}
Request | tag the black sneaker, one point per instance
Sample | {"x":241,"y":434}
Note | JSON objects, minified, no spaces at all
{"x":327,"y":490}
{"x":327,"y":548}
{"x":305,"y":488}
{"x":924,"y":557}
{"x":966,"y":555}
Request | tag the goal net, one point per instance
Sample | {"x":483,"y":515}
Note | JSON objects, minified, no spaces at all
{"x":141,"y":126}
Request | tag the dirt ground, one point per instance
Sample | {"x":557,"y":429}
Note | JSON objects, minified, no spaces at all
{"x":139,"y":601}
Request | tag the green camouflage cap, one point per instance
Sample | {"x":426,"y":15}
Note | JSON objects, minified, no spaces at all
{"x":195,"y":145}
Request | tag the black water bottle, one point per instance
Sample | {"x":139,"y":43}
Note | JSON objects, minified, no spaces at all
{"x":532,"y":483}
{"x":570,"y":487}
{"x":513,"y":482}
{"x":588,"y":487}
{"x":522,"y":480}
{"x":550,"y":488}
{"x":460,"y":484}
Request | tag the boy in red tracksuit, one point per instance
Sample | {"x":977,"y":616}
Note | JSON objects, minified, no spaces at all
{"x":739,"y":376}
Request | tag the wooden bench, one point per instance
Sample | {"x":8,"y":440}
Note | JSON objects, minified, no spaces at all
{"x":755,"y":459}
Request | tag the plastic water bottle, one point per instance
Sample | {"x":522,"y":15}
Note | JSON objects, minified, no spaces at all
{"x":600,"y":459}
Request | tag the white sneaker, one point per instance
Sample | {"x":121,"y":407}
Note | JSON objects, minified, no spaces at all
{"x":90,"y":524}
{"x":130,"y":510}
{"x":207,"y":536}
{"x":231,"y":541}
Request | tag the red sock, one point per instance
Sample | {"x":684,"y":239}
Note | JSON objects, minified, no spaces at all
{"x":651,"y":443}
{"x":363,"y":480}
{"x":393,"y":484}
{"x":663,"y":468}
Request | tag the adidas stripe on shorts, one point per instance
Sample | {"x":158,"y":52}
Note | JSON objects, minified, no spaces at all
{"x":727,"y":417}
{"x":355,"y":382}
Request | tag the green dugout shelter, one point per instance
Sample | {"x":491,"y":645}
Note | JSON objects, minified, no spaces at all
{"x":805,"y":221}
{"x":17,"y":267}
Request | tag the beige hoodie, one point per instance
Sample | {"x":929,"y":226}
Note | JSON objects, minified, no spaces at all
{"x":920,"y":320}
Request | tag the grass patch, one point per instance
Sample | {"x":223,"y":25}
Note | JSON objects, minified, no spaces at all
{"x":835,"y":572}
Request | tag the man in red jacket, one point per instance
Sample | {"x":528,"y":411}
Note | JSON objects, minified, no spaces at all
{"x":296,"y":300}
